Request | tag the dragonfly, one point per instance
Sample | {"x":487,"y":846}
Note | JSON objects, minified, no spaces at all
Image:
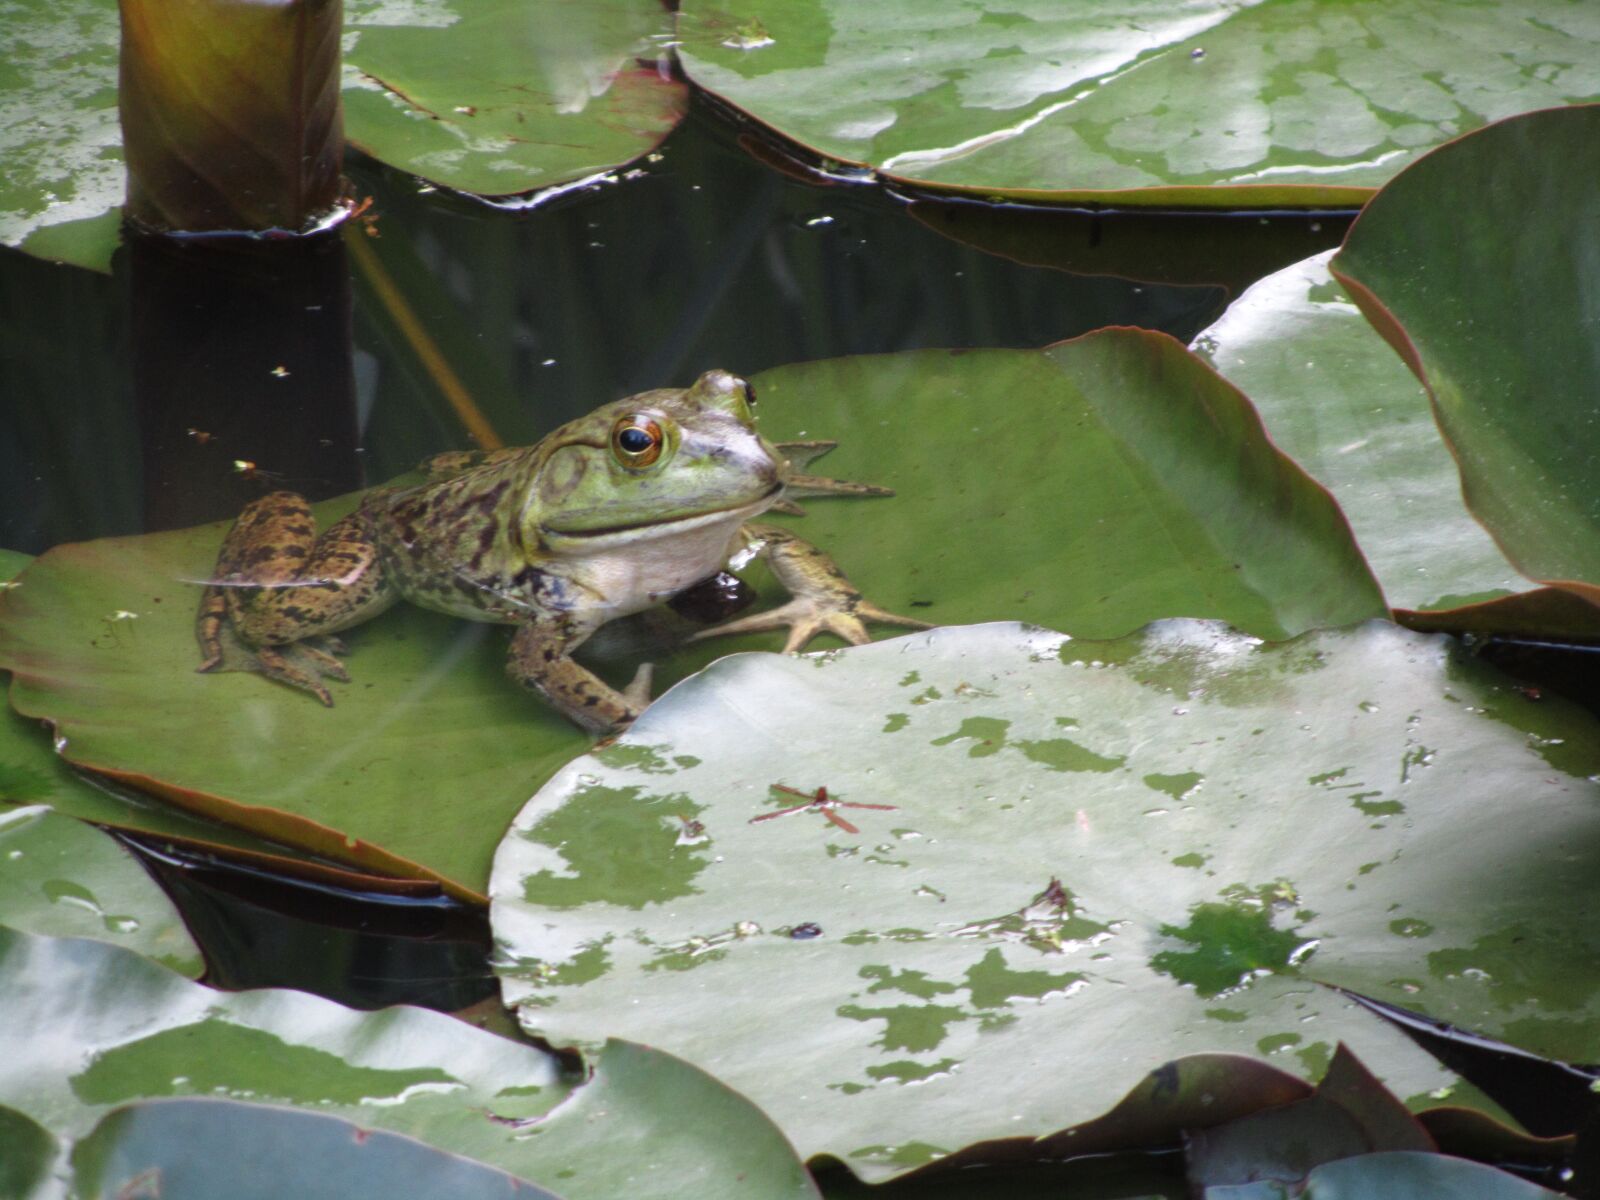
{"x":819,"y":802}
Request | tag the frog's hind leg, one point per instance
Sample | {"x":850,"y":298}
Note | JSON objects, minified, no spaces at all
{"x":280,"y":592}
{"x":824,"y":599}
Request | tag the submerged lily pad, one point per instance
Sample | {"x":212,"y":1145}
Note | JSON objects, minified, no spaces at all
{"x":495,"y":96}
{"x":1478,"y":265}
{"x":1214,"y":103}
{"x":68,"y":879}
{"x":1391,"y":1175}
{"x":1042,"y":866}
{"x":124,"y":1029}
{"x":1136,"y":485}
{"x":260,"y":1151}
{"x":1333,"y":395}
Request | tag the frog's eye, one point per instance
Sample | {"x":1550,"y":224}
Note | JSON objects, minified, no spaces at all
{"x":749,"y":394}
{"x":636,"y":441}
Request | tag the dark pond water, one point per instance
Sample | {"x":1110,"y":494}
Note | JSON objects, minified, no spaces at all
{"x":144,"y":400}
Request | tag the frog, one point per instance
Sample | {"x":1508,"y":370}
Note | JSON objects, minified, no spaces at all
{"x":609,"y":515}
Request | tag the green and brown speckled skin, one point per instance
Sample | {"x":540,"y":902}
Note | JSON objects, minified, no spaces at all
{"x":556,"y":538}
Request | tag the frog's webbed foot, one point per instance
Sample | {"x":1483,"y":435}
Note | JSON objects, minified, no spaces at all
{"x":824,"y":600}
{"x":304,"y":664}
{"x":806,"y":617}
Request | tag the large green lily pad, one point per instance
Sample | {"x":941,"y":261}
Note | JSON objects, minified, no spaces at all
{"x":1478,"y":265}
{"x":1054,"y":864}
{"x":67,"y":879}
{"x":1333,"y":395}
{"x":1136,"y":484}
{"x":395,"y":779}
{"x":494,"y":96}
{"x":124,"y":1029}
{"x":1214,"y":103}
{"x":31,"y":772}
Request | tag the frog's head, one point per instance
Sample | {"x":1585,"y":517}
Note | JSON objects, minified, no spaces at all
{"x":655,"y":464}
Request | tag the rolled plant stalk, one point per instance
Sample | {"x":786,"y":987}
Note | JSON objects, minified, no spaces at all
{"x":231,"y":118}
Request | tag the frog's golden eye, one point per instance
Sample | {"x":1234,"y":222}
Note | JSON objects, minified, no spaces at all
{"x":749,"y":394}
{"x":636,"y":441}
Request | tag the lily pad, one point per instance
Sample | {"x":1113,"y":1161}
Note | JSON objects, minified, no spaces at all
{"x":347,"y":784}
{"x":1124,"y":852}
{"x":501,"y":96}
{"x":68,"y":879}
{"x":61,"y":193}
{"x":260,"y":1151}
{"x":1152,"y":493}
{"x":1216,"y":103}
{"x":29,"y":1167}
{"x":1350,"y":1114}
{"x":1392,"y":1175}
{"x":497,"y":96}
{"x":1094,"y":486}
{"x":1334,"y":397}
{"x":124,"y":1029}
{"x":31,"y":772}
{"x":1431,"y":262}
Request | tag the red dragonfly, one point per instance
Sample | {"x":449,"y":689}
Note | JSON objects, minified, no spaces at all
{"x":819,"y":801}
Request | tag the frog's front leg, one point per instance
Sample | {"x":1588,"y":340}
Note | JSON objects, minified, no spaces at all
{"x":279,"y":592}
{"x":541,"y":660}
{"x":824,"y":600}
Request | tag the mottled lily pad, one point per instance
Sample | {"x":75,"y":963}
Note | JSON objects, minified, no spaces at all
{"x":1478,"y":265}
{"x":124,"y":1029}
{"x":1137,"y":484}
{"x":1213,"y":103}
{"x":501,"y":96}
{"x":495,"y":96}
{"x":1124,"y":852}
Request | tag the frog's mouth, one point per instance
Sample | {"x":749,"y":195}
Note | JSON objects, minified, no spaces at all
{"x":714,"y":516}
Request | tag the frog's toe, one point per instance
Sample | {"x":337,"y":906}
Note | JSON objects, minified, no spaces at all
{"x":806,"y":617}
{"x":781,"y":617}
{"x":319,"y":658}
{"x":297,"y":666}
{"x":637,"y":693}
{"x":871,"y":612}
